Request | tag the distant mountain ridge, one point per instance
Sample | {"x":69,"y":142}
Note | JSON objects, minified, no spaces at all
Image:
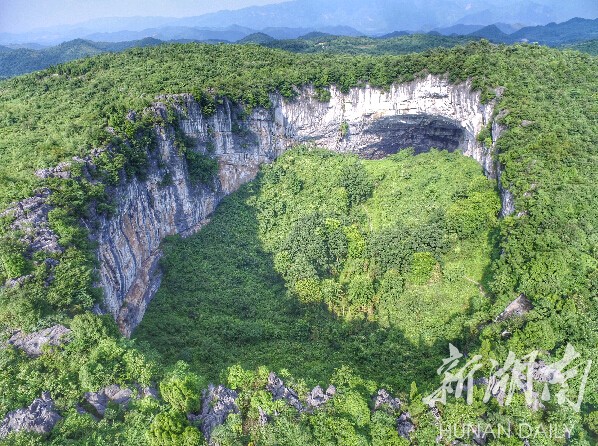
{"x":553,"y":34}
{"x":572,"y":34}
{"x":341,"y":17}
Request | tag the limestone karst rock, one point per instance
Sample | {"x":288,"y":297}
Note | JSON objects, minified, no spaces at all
{"x":40,"y":417}
{"x":33,"y":343}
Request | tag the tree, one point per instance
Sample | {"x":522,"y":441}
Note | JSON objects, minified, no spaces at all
{"x":181,"y":388}
{"x":357,"y":183}
{"x":172,"y":429}
{"x":360,"y":292}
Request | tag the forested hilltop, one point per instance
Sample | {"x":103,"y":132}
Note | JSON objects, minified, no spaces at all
{"x":326,"y":269}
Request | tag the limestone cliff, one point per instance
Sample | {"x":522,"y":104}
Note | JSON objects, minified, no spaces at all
{"x":429,"y":112}
{"x":425,"y":113}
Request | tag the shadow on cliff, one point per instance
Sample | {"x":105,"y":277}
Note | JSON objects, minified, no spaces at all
{"x":222,"y":303}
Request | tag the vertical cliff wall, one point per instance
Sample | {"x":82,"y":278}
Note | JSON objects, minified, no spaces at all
{"x":370,"y":122}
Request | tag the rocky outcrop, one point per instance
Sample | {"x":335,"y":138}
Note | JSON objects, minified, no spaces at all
{"x":366,"y":121}
{"x":317,"y":397}
{"x":385,"y":400}
{"x":405,"y":425}
{"x":518,"y":307}
{"x":40,"y":418}
{"x":279,"y":391}
{"x":30,"y":221}
{"x":217,"y":403}
{"x":33,"y":343}
{"x":98,"y":401}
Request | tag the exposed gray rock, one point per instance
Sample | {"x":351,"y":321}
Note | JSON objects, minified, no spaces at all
{"x":435,"y":413}
{"x":62,"y":170}
{"x":517,"y":382}
{"x":263,"y":417}
{"x":217,"y":403}
{"x":317,"y":397}
{"x":111,"y":394}
{"x":19,"y":281}
{"x":147,"y":392}
{"x":479,"y":437}
{"x":33,"y":343}
{"x":544,"y":373}
{"x":40,"y":417}
{"x":405,"y":425}
{"x":31,"y":220}
{"x":385,"y":400}
{"x":507,"y":202}
{"x":279,"y":391}
{"x":519,"y":307}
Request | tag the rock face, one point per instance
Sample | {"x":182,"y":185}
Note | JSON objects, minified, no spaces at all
{"x":366,"y":121}
{"x":40,"y":417}
{"x":217,"y":403}
{"x":31,"y":220}
{"x":112,"y":394}
{"x":519,"y":307}
{"x":279,"y":391}
{"x":33,"y":343}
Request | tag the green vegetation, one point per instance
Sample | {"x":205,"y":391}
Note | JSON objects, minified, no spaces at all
{"x":412,"y":43}
{"x":304,"y":264}
{"x":305,"y":269}
{"x":22,"y":60}
{"x":590,"y":47}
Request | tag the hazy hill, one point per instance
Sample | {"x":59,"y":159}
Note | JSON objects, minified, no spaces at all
{"x":590,"y":47}
{"x":19,"y":61}
{"x":340,"y":17}
{"x":553,"y":34}
{"x":260,"y":38}
{"x":301,"y":40}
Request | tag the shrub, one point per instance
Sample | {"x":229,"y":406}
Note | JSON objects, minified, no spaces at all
{"x":172,"y":429}
{"x":357,"y":183}
{"x":422,"y":265}
{"x":13,"y":263}
{"x":201,"y":168}
{"x":181,"y":389}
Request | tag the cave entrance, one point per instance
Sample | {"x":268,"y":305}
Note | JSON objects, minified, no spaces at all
{"x":390,"y":134}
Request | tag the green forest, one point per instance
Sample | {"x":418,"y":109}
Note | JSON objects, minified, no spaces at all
{"x":327,"y":269}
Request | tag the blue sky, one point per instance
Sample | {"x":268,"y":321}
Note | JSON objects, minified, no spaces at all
{"x":24,"y":15}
